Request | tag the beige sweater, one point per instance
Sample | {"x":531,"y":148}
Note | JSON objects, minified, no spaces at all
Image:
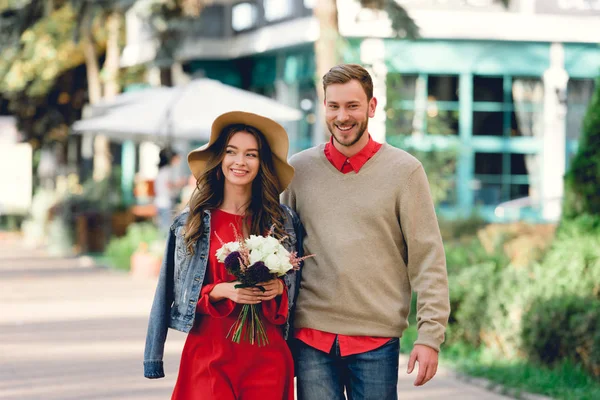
{"x":376,"y":239}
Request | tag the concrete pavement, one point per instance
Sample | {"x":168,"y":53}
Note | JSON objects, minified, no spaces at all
{"x":71,"y":331}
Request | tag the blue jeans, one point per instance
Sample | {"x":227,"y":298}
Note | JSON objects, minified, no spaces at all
{"x":367,"y":376}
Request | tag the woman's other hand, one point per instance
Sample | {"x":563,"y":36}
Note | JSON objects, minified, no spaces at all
{"x":273,"y":288}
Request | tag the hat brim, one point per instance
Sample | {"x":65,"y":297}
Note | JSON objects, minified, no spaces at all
{"x":274,"y":133}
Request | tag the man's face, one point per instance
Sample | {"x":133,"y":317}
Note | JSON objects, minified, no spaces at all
{"x":347,"y":112}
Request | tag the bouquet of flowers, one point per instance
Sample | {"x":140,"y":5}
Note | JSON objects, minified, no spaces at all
{"x":254,"y":260}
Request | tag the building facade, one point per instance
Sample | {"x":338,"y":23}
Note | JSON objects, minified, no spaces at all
{"x":501,"y":91}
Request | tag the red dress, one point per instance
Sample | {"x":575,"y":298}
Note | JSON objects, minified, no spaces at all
{"x":214,"y":367}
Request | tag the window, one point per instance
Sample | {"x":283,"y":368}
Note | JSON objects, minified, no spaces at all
{"x":422,"y":117}
{"x":244,"y":16}
{"x":309,"y":4}
{"x":579,"y":94}
{"x":277,"y":9}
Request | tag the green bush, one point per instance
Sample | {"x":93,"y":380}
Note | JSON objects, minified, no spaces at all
{"x":488,"y":298}
{"x":564,"y":328}
{"x":119,"y":250}
{"x":581,"y":181}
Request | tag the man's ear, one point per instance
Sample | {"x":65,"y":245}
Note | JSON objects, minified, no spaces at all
{"x":372,"y":106}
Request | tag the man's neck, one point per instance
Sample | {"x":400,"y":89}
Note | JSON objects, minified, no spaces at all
{"x":350,"y":151}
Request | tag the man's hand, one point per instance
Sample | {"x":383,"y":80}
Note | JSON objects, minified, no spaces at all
{"x":428,"y":363}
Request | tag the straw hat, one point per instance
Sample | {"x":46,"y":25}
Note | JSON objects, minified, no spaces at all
{"x":274,"y":133}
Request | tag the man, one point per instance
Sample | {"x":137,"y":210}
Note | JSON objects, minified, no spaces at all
{"x":370,"y":222}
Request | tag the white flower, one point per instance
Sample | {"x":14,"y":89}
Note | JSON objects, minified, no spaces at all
{"x":270,"y":245}
{"x":254,"y":242}
{"x":222,"y":253}
{"x":273,"y":263}
{"x":284,"y":262}
{"x":233,"y":246}
{"x":226,"y":249}
{"x":255,"y":256}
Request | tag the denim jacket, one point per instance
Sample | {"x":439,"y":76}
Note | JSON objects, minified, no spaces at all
{"x":180,"y":282}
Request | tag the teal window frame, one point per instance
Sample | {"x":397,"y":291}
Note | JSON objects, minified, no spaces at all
{"x":467,"y":142}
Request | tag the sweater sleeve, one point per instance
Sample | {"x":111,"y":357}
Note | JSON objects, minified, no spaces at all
{"x":218,"y":309}
{"x":426,"y":259}
{"x":288,"y":198}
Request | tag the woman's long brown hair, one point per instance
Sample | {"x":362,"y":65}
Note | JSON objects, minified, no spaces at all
{"x":264,"y":209}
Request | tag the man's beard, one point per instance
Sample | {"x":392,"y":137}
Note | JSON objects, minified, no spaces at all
{"x":361,"y":129}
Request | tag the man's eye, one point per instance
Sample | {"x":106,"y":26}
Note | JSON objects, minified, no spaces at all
{"x":333,"y":107}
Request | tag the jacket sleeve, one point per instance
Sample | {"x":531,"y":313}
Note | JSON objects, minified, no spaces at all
{"x":292,"y":278}
{"x":158,"y":323}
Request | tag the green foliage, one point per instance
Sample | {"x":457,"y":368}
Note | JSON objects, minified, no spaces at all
{"x":564,"y":328}
{"x":95,"y":197}
{"x":119,"y":250}
{"x":541,"y":310}
{"x":564,"y":380}
{"x":45,"y":50}
{"x":581,"y":181}
{"x":458,"y":228}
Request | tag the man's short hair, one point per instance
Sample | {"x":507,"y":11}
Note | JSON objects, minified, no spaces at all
{"x":344,"y":73}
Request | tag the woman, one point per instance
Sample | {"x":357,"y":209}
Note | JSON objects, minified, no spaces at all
{"x":240,"y":173}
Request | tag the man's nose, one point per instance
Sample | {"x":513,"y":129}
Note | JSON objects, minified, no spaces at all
{"x":342,"y":115}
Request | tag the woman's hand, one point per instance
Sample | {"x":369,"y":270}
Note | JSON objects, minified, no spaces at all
{"x":273,"y":288}
{"x":227,"y":290}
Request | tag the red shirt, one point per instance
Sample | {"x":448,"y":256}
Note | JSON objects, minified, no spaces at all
{"x":320,"y":340}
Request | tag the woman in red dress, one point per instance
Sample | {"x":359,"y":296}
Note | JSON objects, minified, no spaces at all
{"x":240,"y":176}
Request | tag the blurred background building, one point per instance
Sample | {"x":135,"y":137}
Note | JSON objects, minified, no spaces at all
{"x":489,"y":94}
{"x":501,"y":91}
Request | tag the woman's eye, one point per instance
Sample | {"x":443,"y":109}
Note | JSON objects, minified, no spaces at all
{"x":229,"y":152}
{"x":252,"y":155}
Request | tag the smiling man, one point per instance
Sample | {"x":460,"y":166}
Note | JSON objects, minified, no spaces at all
{"x":370,"y":222}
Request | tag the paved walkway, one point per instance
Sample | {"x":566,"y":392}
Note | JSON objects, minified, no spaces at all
{"x":69,"y":331}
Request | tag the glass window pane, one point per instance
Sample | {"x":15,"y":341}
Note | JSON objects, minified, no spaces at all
{"x":442,"y":122}
{"x":451,"y":198}
{"x":309,"y":4}
{"x":243,"y":16}
{"x":488,"y":89}
{"x":277,"y":9}
{"x":488,"y":123}
{"x":400,"y":122}
{"x":442,"y":87}
{"x":488,"y":163}
{"x":488,"y":193}
{"x":403,"y":86}
{"x":527,"y":96}
{"x":519,"y":191}
{"x":579,"y":94}
{"x":517,"y":164}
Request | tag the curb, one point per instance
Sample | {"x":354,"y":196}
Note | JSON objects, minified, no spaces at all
{"x":497,"y":387}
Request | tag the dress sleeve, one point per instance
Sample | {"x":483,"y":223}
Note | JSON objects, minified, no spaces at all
{"x":218,"y":309}
{"x":276,"y":310}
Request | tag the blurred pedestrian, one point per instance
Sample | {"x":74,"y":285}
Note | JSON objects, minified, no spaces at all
{"x":166,"y":187}
{"x":377,"y":241}
{"x":241,"y":173}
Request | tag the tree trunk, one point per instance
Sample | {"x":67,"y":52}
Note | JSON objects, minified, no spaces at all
{"x":111,"y":64}
{"x":326,"y":54}
{"x":92,"y":69}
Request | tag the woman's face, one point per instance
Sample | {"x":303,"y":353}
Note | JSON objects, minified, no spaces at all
{"x":241,"y":162}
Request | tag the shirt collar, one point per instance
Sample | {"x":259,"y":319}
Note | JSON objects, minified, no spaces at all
{"x":357,"y":161}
